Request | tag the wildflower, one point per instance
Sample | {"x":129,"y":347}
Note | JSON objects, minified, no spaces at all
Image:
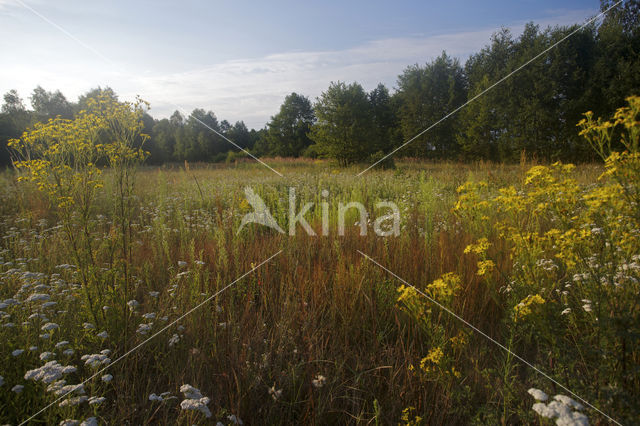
{"x":190,"y":392}
{"x":197,"y":405}
{"x":154,"y":397}
{"x":485,"y":266}
{"x":107,"y":378}
{"x":194,"y":400}
{"x":68,"y":352}
{"x":538,"y":394}
{"x":480,"y":247}
{"x":49,"y":372}
{"x":144,"y":328}
{"x":91,"y":421}
{"x":275,"y":394}
{"x":587,"y":307}
{"x":103,"y":335}
{"x":434,"y":356}
{"x":106,"y":308}
{"x":234,"y":419}
{"x":174,"y":340}
{"x":149,"y":315}
{"x":45,"y":336}
{"x":133,"y":304}
{"x":88,"y":326}
{"x":33,"y":348}
{"x":50,"y":326}
{"x":38,"y":297}
{"x":76,"y":400}
{"x":154,"y":294}
{"x":68,"y":389}
{"x":17,"y":352}
{"x":61,"y":344}
{"x":69,"y":422}
{"x":565,"y":311}
{"x":524,"y":308}
{"x":97,"y":400}
{"x":95,"y":360}
{"x":46,"y":355}
{"x":182,"y":263}
{"x":319,"y":381}
{"x":17,"y":388}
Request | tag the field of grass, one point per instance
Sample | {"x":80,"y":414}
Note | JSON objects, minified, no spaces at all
{"x":318,"y":334}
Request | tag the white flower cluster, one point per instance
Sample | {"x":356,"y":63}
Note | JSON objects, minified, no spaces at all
{"x":194,"y":400}
{"x":49,"y":372}
{"x":96,"y":360}
{"x":565,"y":410}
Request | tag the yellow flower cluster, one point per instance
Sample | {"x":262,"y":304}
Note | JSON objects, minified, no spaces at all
{"x":527,"y":306}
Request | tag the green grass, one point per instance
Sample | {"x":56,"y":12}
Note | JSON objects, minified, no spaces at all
{"x":318,"y":308}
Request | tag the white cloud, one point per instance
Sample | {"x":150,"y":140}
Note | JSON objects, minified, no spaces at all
{"x":249,"y":89}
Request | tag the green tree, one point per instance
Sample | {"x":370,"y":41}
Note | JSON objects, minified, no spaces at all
{"x":345,"y":123}
{"x":427,"y":94}
{"x":48,"y":105}
{"x":287,"y":134}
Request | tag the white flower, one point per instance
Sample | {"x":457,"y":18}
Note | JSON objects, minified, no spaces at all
{"x":144,"y":328}
{"x":76,"y":400}
{"x":17,"y":352}
{"x":17,"y":388}
{"x":50,"y":326}
{"x":97,"y":400}
{"x":150,"y":315}
{"x":45,"y":336}
{"x":568,"y":402}
{"x":133,"y":304}
{"x":538,"y":394}
{"x":61,"y":344}
{"x":46,"y":355}
{"x":33,"y":348}
{"x":68,"y":389}
{"x":319,"y":381}
{"x":91,"y":421}
{"x":88,"y":326}
{"x":107,"y":378}
{"x":587,"y":307}
{"x":103,"y":335}
{"x":182,"y":263}
{"x":275,"y":394}
{"x":174,"y":340}
{"x":95,"y":360}
{"x":154,"y":293}
{"x":197,"y":405}
{"x":37,"y":297}
{"x":69,"y":422}
{"x":49,"y":372}
{"x":234,"y":419}
{"x":566,"y":311}
{"x":154,"y":397}
{"x":190,"y":392}
{"x":68,"y":352}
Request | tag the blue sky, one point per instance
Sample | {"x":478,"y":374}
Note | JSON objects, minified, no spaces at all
{"x":241,"y":58}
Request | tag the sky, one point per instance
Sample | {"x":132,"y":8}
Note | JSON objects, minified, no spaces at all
{"x":240,"y":58}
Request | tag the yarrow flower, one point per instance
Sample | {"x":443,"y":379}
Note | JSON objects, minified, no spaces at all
{"x":319,"y":381}
{"x":275,"y":394}
{"x":49,"y":372}
{"x":95,"y":360}
{"x":194,"y":400}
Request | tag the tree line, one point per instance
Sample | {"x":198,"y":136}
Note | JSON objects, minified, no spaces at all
{"x":533,"y":111}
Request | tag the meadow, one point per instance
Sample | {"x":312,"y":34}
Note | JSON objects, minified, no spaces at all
{"x":542,"y":258}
